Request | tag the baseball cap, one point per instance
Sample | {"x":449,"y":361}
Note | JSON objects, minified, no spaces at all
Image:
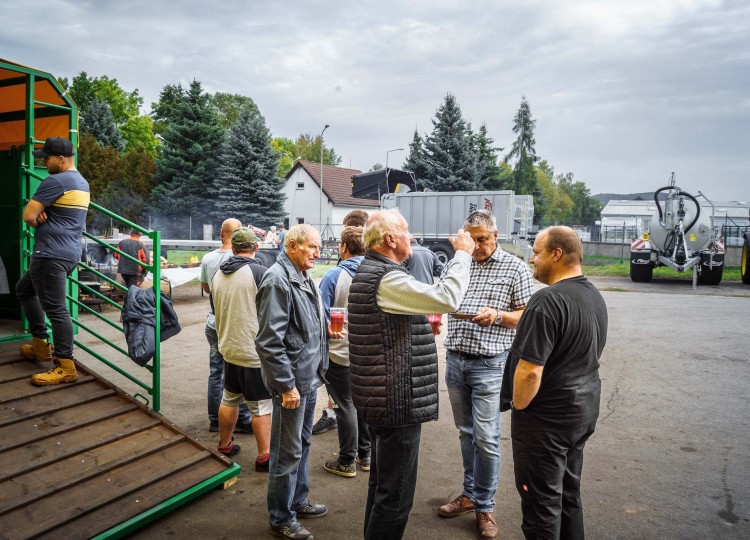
{"x":55,"y":146}
{"x":244,"y":238}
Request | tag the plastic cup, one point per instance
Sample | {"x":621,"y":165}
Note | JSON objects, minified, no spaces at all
{"x":337,"y":319}
{"x":434,"y":321}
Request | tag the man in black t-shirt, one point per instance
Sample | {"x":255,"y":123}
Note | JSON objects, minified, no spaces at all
{"x":552,"y":385}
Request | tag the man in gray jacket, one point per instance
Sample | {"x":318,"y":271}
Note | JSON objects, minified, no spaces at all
{"x":291,"y":344}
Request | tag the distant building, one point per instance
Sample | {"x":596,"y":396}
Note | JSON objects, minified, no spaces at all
{"x":635,"y":216}
{"x":304,"y":203}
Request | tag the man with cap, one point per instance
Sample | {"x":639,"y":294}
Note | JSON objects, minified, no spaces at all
{"x":233,"y":291}
{"x":57,"y":211}
{"x":132,"y":273}
{"x":209,"y":266}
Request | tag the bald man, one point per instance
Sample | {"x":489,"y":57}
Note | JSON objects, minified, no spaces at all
{"x":209,"y":266}
{"x":552,"y":385}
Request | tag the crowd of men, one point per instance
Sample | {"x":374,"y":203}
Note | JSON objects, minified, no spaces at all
{"x":272,"y":345}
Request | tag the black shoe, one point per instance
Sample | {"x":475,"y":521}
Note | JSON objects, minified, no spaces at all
{"x":244,"y":427}
{"x":213,"y":426}
{"x":230,"y":450}
{"x":294,"y":530}
{"x":335,"y":467}
{"x":311,"y":511}
{"x":324,"y":423}
{"x":263,"y":467}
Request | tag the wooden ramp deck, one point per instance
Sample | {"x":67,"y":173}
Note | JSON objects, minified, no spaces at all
{"x":84,"y":459}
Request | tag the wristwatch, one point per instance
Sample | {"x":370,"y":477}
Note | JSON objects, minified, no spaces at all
{"x":499,"y":319}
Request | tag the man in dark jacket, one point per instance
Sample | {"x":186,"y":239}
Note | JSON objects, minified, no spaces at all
{"x":394,"y":361}
{"x":132,"y":272}
{"x":423,"y":263}
{"x":291,"y":344}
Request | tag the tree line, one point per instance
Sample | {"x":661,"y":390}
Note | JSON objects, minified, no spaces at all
{"x":207,"y":156}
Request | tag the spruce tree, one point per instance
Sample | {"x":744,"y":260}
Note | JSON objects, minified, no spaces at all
{"x":489,"y":170}
{"x":99,"y":121}
{"x":415,"y":161}
{"x":246,"y":184}
{"x":186,"y":167}
{"x":450,"y":160}
{"x":524,"y":178}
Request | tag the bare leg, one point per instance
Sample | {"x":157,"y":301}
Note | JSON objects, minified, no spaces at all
{"x":262,"y":431}
{"x":227,"y":420}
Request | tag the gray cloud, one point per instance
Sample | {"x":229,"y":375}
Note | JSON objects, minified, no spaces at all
{"x":623,"y":92}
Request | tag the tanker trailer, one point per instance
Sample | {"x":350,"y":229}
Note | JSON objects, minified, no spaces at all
{"x":679,"y":236}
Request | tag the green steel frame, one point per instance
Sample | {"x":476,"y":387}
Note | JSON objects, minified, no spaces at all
{"x":26,"y":174}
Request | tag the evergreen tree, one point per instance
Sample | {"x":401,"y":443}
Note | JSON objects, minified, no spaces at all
{"x":524,"y":178}
{"x":415,"y":162}
{"x":450,"y":160}
{"x":186,"y":166}
{"x":246,"y":182}
{"x":164,"y":110}
{"x":98,"y":121}
{"x":489,"y":170}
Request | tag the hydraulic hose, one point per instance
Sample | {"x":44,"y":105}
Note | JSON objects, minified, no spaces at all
{"x":658,"y":206}
{"x":697,"y":210}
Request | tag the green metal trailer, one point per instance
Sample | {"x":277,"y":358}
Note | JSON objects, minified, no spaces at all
{"x":158,"y":466}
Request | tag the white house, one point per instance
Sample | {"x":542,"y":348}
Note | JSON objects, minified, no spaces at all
{"x":305,"y":203}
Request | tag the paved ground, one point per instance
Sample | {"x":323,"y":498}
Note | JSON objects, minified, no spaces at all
{"x":670,"y":457}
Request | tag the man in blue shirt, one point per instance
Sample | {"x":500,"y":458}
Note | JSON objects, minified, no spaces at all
{"x":57,"y":212}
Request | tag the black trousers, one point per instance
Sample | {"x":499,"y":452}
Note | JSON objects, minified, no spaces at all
{"x":547,"y":462}
{"x":354,"y":435}
{"x":393,"y":479}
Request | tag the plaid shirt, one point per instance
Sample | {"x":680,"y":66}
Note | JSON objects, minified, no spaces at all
{"x":503,"y":283}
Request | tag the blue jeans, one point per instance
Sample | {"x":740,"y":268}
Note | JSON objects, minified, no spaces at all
{"x":216,"y":380}
{"x":474,"y":392}
{"x":41,"y":290}
{"x":288,"y":484}
{"x":393,"y":478}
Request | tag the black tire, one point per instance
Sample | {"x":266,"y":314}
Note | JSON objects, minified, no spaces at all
{"x":444,"y":251}
{"x":745,"y":262}
{"x":711,"y":275}
{"x":641,"y":273}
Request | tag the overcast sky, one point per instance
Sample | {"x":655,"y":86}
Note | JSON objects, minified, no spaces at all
{"x":623,"y":92}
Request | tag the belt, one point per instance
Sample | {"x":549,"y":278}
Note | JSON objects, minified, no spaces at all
{"x":466,"y":356}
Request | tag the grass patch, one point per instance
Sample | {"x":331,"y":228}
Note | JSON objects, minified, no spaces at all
{"x":180,"y":256}
{"x":731,"y":273}
{"x":320,"y":269}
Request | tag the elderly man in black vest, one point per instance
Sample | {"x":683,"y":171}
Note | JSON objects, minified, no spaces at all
{"x":394,"y":370}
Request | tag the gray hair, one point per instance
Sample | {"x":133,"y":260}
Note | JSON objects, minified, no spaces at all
{"x":299,"y":234}
{"x":481,"y":218}
{"x":380,"y":224}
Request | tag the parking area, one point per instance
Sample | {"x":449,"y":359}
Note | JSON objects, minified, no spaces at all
{"x":670,"y":457}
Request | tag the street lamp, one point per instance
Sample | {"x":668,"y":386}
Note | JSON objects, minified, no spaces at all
{"x":387,"y":187}
{"x":320,"y":205}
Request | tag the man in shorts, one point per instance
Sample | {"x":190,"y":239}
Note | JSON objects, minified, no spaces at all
{"x":233,"y":291}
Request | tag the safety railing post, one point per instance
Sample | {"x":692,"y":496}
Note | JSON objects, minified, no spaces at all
{"x":156,"y":272}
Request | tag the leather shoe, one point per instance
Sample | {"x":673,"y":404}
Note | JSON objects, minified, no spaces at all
{"x":460,"y":505}
{"x":486,"y":526}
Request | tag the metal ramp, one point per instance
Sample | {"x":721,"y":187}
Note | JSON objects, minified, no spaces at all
{"x":84,"y":459}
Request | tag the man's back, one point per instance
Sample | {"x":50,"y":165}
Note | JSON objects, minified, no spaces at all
{"x":136,"y":249}
{"x":424,"y":264}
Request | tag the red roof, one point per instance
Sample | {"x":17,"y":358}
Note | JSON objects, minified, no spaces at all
{"x":337,"y":183}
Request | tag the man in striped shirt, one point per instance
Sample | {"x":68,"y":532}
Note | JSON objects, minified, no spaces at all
{"x":500,"y":285}
{"x":57,"y":211}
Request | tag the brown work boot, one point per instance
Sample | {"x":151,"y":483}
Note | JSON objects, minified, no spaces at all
{"x":39,"y":349}
{"x":63,"y":371}
{"x":486,"y":526}
{"x":460,"y":505}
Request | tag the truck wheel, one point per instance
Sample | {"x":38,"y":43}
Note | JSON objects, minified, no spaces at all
{"x":444,"y":252}
{"x":711,"y":275}
{"x":745,"y":262}
{"x":641,"y":270}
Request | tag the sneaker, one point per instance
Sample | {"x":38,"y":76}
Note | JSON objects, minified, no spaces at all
{"x":244,"y":427}
{"x":324,"y":423}
{"x":294,"y":530}
{"x":263,"y":466}
{"x":335,"y":467}
{"x":460,"y":505}
{"x":230,"y":450}
{"x":311,"y":511}
{"x":364,"y":463}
